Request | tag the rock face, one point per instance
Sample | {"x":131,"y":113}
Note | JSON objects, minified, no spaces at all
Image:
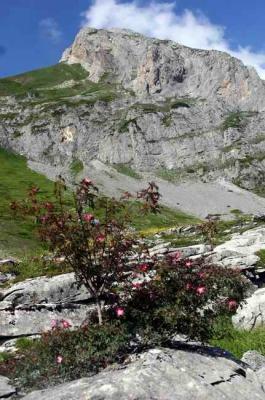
{"x":165,"y":374}
{"x":27,"y":308}
{"x":153,"y":105}
{"x":252,"y":313}
{"x":6,"y":390}
{"x":254,"y":359}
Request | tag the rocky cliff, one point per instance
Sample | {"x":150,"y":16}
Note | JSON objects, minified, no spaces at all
{"x":148,"y":105}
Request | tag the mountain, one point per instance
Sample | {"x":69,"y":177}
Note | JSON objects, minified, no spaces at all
{"x":144,"y":106}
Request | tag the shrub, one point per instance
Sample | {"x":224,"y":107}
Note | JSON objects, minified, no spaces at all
{"x":61,"y":354}
{"x":181,"y":296}
{"x":97,"y":251}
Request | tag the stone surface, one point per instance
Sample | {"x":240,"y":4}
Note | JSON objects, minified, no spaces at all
{"x":240,"y":251}
{"x":43,"y":290}
{"x":6,"y":389}
{"x":34,"y":320}
{"x":251,"y":313}
{"x":165,"y":374}
{"x":254,"y":359}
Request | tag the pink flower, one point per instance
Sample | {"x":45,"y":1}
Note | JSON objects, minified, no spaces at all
{"x":88,"y":217}
{"x":189,"y":286}
{"x":54,"y":323}
{"x":137,"y":285}
{"x":120,"y":311}
{"x":232,"y":305}
{"x":201,"y":275}
{"x":86,"y":182}
{"x":143,"y":267}
{"x":176,"y":256}
{"x":59,"y":359}
{"x":44,"y":219}
{"x":188,"y":263}
{"x":201,"y":290}
{"x":100,"y":238}
{"x":65,"y":324}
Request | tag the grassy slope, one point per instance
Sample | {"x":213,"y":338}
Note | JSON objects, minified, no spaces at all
{"x":237,"y":341}
{"x":17,"y":235}
{"x":42,"y":85}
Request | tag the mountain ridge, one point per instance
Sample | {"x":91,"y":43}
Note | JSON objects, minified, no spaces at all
{"x":152,"y":107}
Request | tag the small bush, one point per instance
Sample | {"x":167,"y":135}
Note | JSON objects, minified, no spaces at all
{"x":61,"y":355}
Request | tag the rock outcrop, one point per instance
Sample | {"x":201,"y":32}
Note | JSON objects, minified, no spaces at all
{"x":165,"y":374}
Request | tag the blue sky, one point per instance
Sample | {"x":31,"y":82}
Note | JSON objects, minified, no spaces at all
{"x":33,"y":33}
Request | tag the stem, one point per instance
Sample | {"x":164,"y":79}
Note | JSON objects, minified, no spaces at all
{"x":100,"y":320}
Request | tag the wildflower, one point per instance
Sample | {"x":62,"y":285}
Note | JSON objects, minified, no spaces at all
{"x":232,"y":305}
{"x":189,"y":286}
{"x":86,"y":182}
{"x":49,"y":206}
{"x":120,"y":311}
{"x":54,"y":323}
{"x":59,"y":359}
{"x":176,"y":256}
{"x":44,"y":219}
{"x":201,"y":290}
{"x":188,"y":263}
{"x":66,"y":324}
{"x":143,"y":267}
{"x":88,"y":217}
{"x":137,"y":285}
{"x":100,"y":238}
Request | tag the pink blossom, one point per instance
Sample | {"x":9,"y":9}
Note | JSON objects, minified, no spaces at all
{"x":86,"y":182}
{"x":188,"y":263}
{"x":143,"y":267}
{"x":232,"y":305}
{"x":88,"y":217}
{"x":59,"y":359}
{"x":65,"y":324}
{"x":119,"y":311}
{"x":176,"y":256}
{"x":44,"y":219}
{"x":100,"y":238}
{"x":201,"y":290}
{"x":137,"y":285}
{"x":189,"y":286}
{"x":54,"y":323}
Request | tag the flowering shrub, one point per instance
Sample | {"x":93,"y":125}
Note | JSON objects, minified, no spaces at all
{"x":169,"y":296}
{"x":98,"y":251}
{"x":62,"y":354}
{"x":184,"y":296}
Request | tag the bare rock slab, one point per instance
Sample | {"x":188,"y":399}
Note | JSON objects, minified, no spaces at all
{"x":6,"y":389}
{"x":164,"y":374}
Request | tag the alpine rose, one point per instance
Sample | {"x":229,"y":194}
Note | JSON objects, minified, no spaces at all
{"x":119,"y":311}
{"x":59,"y":359}
{"x":232,"y":305}
{"x":201,"y":290}
{"x":88,"y":217}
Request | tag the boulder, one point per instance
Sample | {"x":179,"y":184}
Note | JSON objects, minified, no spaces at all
{"x":43,"y":290}
{"x":34,"y":320}
{"x":164,"y":374}
{"x":251,"y":313}
{"x":254,"y":359}
{"x":240,"y":251}
{"x":6,"y":389}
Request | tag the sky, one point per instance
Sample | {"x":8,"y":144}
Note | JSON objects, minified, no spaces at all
{"x":34,"y":33}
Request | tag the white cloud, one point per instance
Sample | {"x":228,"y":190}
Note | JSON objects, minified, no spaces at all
{"x":160,"y":20}
{"x":50,"y":29}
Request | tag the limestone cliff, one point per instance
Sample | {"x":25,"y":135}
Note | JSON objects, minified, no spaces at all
{"x":152,"y":105}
